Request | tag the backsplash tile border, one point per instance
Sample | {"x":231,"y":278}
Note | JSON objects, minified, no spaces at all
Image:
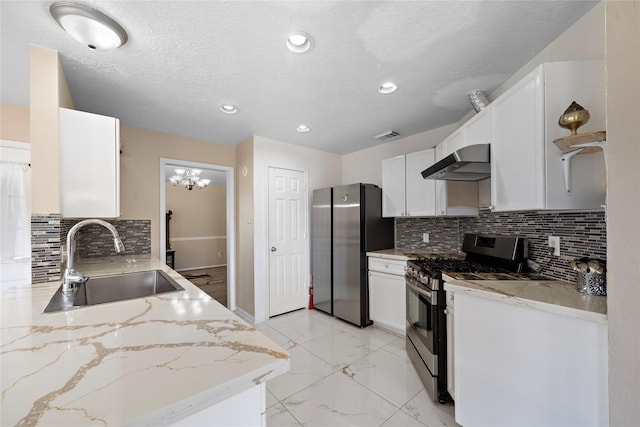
{"x":582,"y":233}
{"x":45,"y":248}
{"x":96,"y":241}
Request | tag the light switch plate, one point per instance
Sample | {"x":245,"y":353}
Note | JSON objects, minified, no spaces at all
{"x":425,"y":237}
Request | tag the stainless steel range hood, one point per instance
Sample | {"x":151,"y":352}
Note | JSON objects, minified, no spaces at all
{"x":470,"y":163}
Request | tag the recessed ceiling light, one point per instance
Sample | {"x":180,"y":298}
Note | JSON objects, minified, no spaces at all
{"x":303,"y":129}
{"x":387,"y":87}
{"x":88,"y":26}
{"x":228,"y":109}
{"x":299,"y":42}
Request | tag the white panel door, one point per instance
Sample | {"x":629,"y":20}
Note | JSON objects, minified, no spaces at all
{"x":287,"y":241}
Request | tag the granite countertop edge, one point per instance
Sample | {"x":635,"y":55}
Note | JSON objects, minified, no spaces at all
{"x":552,"y":296}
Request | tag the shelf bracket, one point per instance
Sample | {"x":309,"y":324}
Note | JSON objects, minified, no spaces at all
{"x":566,"y":159}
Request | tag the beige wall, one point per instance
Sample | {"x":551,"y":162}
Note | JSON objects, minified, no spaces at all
{"x":48,"y":92}
{"x":244,"y":227}
{"x":14,"y":123}
{"x":623,"y":210}
{"x":366,"y":165}
{"x":198,"y":225}
{"x":322,"y":170}
{"x":140,"y":170}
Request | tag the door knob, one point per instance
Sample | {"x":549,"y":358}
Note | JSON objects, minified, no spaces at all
{"x":273,"y":249}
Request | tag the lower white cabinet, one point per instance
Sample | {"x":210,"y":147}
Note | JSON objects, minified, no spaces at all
{"x":89,"y":165}
{"x":387,"y":297}
{"x":247,"y":408}
{"x":518,"y":365}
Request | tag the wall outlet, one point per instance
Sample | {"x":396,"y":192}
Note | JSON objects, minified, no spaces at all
{"x":425,"y":237}
{"x":219,"y":254}
{"x":554,"y":245}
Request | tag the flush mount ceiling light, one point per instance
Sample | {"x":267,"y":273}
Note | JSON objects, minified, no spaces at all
{"x":88,"y":26}
{"x":303,"y":129}
{"x":299,"y":42}
{"x":387,"y":87}
{"x":228,"y":109}
{"x":189,"y":179}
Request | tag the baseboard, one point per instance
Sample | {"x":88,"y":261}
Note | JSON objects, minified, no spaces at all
{"x":244,"y":316}
{"x":201,"y":268}
{"x":389,"y":328}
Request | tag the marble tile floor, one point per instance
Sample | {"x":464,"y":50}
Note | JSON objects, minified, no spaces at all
{"x":342,"y":375}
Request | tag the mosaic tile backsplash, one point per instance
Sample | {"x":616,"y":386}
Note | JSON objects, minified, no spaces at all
{"x":581,"y":234}
{"x":96,"y":241}
{"x":45,"y":248}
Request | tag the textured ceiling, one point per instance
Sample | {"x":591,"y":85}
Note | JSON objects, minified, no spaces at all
{"x":186,"y":58}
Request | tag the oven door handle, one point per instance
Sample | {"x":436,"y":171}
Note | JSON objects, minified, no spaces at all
{"x":430,"y":296}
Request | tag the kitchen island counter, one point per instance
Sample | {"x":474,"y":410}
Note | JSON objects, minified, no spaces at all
{"x":150,"y":361}
{"x":553,"y":296}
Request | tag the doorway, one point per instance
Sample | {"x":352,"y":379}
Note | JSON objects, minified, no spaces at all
{"x":198,"y":239}
{"x":288,"y":287}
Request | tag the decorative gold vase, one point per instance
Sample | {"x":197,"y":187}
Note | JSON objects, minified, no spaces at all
{"x":574,"y":117}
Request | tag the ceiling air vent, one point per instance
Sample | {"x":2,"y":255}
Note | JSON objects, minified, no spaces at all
{"x":386,"y":136}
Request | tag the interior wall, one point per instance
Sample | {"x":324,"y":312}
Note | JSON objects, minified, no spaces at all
{"x":48,"y":92}
{"x":322,"y":170}
{"x":198,"y":229}
{"x":623,"y":205}
{"x":14,"y":123}
{"x":244,"y":227}
{"x":140,"y":170}
{"x":366,"y":165}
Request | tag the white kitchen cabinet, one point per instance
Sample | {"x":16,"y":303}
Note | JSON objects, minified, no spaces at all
{"x":517,"y":365}
{"x":404,"y":191}
{"x":451,"y":354}
{"x":477,"y":130}
{"x":387,"y":297}
{"x":526,"y":167}
{"x":454,"y":198}
{"x":89,"y":165}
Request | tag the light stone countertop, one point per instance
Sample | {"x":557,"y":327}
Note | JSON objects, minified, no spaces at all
{"x":148,"y":361}
{"x":552,"y":296}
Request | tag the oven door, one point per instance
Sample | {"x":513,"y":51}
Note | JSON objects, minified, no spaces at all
{"x":422,"y":322}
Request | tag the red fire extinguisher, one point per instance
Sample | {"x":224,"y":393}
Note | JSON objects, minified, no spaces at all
{"x":311,"y":294}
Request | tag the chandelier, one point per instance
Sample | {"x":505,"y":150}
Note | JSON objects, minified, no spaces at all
{"x":189,"y":179}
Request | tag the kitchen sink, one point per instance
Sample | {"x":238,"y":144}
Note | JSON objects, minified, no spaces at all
{"x":120,"y":287}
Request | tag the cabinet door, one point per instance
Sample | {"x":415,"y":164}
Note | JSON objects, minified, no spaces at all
{"x":454,"y":142}
{"x":451,"y":354}
{"x":420,"y":192}
{"x":393,"y":186}
{"x":478,"y":129}
{"x":89,"y":165}
{"x":441,"y":186}
{"x":387,"y":301}
{"x":517,"y":152}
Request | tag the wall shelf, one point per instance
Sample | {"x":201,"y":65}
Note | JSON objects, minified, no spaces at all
{"x":582,"y":143}
{"x":572,"y":142}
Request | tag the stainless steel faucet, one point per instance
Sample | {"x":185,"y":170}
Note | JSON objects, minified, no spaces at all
{"x":73,"y":278}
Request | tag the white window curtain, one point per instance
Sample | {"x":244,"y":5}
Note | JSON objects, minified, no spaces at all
{"x":15,"y":216}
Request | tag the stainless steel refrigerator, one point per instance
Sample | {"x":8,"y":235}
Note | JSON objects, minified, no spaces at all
{"x":347,"y":223}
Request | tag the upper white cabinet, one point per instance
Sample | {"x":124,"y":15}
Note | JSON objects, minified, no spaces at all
{"x":404,"y":191}
{"x":89,"y":165}
{"x":526,"y":167}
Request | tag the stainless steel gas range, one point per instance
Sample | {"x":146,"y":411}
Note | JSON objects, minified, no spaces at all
{"x":489,"y":255}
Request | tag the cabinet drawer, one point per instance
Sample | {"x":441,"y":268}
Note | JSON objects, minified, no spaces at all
{"x":390,"y":266}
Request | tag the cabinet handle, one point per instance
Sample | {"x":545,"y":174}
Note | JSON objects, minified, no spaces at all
{"x":386,"y":266}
